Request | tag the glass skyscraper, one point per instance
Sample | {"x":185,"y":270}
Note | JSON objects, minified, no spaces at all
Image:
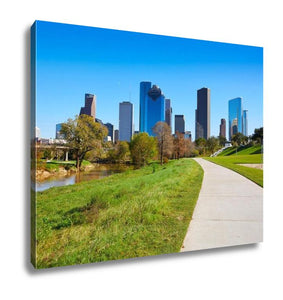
{"x":168,"y":112}
{"x":245,"y":122}
{"x":179,"y":124}
{"x":90,"y":106}
{"x":152,"y":106}
{"x":126,"y":121}
{"x":235,"y":116}
{"x":202,"y":122}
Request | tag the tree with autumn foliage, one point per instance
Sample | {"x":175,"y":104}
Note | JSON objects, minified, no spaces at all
{"x":164,"y":137}
{"x":179,"y":145}
{"x":83,"y":134}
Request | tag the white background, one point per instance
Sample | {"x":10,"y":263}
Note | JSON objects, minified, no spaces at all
{"x":250,"y":272}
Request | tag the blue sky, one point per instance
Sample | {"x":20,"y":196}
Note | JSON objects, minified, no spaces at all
{"x":74,"y":60}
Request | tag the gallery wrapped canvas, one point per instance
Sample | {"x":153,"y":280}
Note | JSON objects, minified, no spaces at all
{"x":142,"y":144}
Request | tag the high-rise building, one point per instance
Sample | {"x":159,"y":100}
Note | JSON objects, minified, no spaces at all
{"x":179,"y":124}
{"x":202,"y":122}
{"x":168,"y":112}
{"x":222,"y":131}
{"x":110,"y":134}
{"x":188,"y":135}
{"x":235,"y":116}
{"x":116,"y":135}
{"x":59,"y":135}
{"x":152,"y":106}
{"x":90,"y":106}
{"x":126,"y":125}
{"x":245,"y":122}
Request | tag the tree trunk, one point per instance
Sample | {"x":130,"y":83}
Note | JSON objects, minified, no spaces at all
{"x":78,"y":163}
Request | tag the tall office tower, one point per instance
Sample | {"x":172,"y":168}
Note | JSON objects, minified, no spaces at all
{"x":179,"y":124}
{"x":168,"y":112}
{"x":116,"y":135}
{"x":90,"y":106}
{"x":59,"y":135}
{"x":202,"y":122}
{"x":235,"y":112}
{"x":110,"y":128}
{"x":222,"y":131}
{"x":126,"y":118}
{"x":245,"y":122}
{"x":152,"y":106}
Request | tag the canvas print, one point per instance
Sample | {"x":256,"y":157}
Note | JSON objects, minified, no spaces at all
{"x":142,"y":144}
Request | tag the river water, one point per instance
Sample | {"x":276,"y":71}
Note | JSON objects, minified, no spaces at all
{"x":100,"y":171}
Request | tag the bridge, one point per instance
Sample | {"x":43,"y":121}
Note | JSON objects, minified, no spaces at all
{"x":54,"y":147}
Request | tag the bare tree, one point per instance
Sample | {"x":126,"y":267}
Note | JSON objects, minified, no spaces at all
{"x":179,"y":145}
{"x":165,"y":140}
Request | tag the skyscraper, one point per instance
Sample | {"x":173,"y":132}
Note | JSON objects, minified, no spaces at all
{"x":202,"y":123}
{"x":110,"y":128}
{"x":179,"y":124}
{"x":59,"y":135}
{"x":116,"y":135}
{"x":168,"y":112}
{"x":245,"y":122}
{"x":222,"y":131}
{"x":235,"y":116}
{"x":152,"y":106}
{"x":126,"y":126}
{"x":90,"y":106}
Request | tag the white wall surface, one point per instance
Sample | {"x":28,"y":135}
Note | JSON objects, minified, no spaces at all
{"x":251,"y":272}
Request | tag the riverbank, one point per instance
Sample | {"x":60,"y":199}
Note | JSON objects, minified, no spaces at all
{"x":48,"y":169}
{"x":136,"y":213}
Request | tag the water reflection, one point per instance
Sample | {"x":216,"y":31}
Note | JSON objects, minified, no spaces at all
{"x":100,"y":171}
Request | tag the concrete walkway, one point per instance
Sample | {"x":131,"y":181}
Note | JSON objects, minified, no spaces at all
{"x":228,"y":211}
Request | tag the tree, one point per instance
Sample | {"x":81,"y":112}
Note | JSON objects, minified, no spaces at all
{"x":120,"y":153}
{"x":212,"y":144}
{"x":258,"y":135}
{"x":143,"y":148}
{"x":200,"y":145}
{"x":239,"y":139}
{"x":165,"y":141}
{"x":222,"y":140}
{"x":179,"y":145}
{"x":83,"y":134}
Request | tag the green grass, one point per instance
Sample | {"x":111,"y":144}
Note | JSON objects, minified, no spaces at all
{"x":242,"y":150}
{"x":136,"y":213}
{"x":231,"y":162}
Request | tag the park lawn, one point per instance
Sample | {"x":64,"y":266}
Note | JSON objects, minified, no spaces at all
{"x":132,"y":214}
{"x":231,"y":162}
{"x":241,"y":150}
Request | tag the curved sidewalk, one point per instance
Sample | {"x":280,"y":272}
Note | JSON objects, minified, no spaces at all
{"x":228,"y":211}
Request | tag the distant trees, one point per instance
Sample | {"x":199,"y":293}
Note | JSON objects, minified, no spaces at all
{"x":120,"y":153}
{"x":201,"y":145}
{"x":257,"y":136}
{"x":239,"y":139}
{"x":165,"y":141}
{"x":83,"y":134}
{"x":143,"y":148}
{"x":212,"y":144}
{"x":222,"y":140}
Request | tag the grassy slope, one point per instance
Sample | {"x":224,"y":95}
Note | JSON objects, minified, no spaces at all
{"x":246,"y":150}
{"x":232,"y":162}
{"x":136,"y":213}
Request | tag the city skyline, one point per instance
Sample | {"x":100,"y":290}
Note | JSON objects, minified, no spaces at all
{"x":67,"y":69}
